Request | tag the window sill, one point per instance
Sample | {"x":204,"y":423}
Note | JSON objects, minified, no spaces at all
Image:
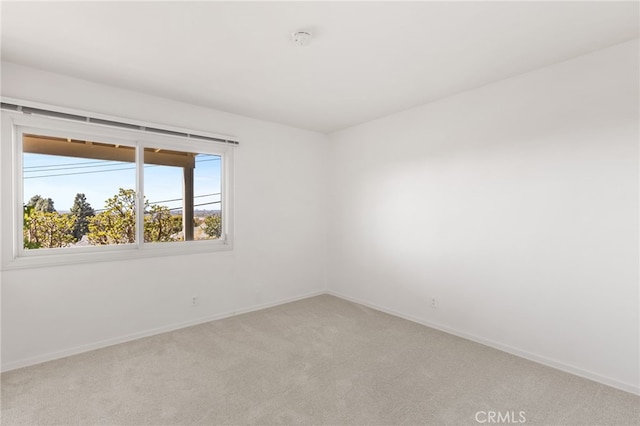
{"x":114,"y":253}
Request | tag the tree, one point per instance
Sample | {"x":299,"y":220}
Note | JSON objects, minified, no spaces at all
{"x":83,"y":212}
{"x":160,"y":224}
{"x":41,"y":204}
{"x":213,"y":225}
{"x":44,"y":229}
{"x":28,"y":232}
{"x":117,"y":224}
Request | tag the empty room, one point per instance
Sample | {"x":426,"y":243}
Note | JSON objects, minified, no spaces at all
{"x":320,"y":213}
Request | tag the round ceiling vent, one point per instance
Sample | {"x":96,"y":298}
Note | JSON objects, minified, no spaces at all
{"x":301,"y":38}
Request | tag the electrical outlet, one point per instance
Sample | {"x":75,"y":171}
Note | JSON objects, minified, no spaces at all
{"x":434,"y":303}
{"x":195,"y":301}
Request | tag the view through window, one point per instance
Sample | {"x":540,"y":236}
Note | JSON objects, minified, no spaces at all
{"x":80,"y":193}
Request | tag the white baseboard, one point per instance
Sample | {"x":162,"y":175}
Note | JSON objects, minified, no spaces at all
{"x":627,"y":387}
{"x":146,"y":333}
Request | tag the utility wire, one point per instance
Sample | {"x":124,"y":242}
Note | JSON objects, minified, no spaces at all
{"x":68,"y":164}
{"x":196,"y":205}
{"x":166,"y":201}
{"x":81,"y":173}
{"x":73,"y":166}
{"x":109,"y":161}
{"x":180,"y":199}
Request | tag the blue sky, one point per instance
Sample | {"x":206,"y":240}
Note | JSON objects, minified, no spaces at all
{"x":60,"y":178}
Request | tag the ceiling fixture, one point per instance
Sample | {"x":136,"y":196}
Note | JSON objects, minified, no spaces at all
{"x":301,"y":38}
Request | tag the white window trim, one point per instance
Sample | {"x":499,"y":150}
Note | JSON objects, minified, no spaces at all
{"x":13,"y":256}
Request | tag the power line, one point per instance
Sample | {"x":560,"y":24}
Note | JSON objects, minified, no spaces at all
{"x":68,"y":164}
{"x":180,"y":199}
{"x":197,"y":205}
{"x":73,"y":166}
{"x":109,"y":161}
{"x":81,"y":173}
{"x":166,"y":201}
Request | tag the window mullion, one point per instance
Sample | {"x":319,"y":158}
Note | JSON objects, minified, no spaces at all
{"x":139,"y":195}
{"x":18,"y":238}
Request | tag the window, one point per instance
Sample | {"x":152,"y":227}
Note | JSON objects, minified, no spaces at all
{"x":85,"y":191}
{"x":77,"y":193}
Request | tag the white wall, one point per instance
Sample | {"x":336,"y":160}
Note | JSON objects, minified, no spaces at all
{"x":279,"y":249}
{"x":514,"y":205}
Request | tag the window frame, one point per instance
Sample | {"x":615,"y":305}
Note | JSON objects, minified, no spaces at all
{"x":14,"y":256}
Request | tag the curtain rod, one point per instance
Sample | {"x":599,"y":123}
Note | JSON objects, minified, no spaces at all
{"x":63,"y":115}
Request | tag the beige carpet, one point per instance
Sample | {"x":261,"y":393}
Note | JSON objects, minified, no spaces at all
{"x":317,"y":361}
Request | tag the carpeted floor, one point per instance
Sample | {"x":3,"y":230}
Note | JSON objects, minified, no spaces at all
{"x":317,"y":361}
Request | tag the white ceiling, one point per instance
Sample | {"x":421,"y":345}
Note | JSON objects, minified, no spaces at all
{"x":366,"y":59}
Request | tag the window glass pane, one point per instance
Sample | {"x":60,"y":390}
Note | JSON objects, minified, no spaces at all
{"x":208,"y":197}
{"x":77,"y":193}
{"x":182,"y":196}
